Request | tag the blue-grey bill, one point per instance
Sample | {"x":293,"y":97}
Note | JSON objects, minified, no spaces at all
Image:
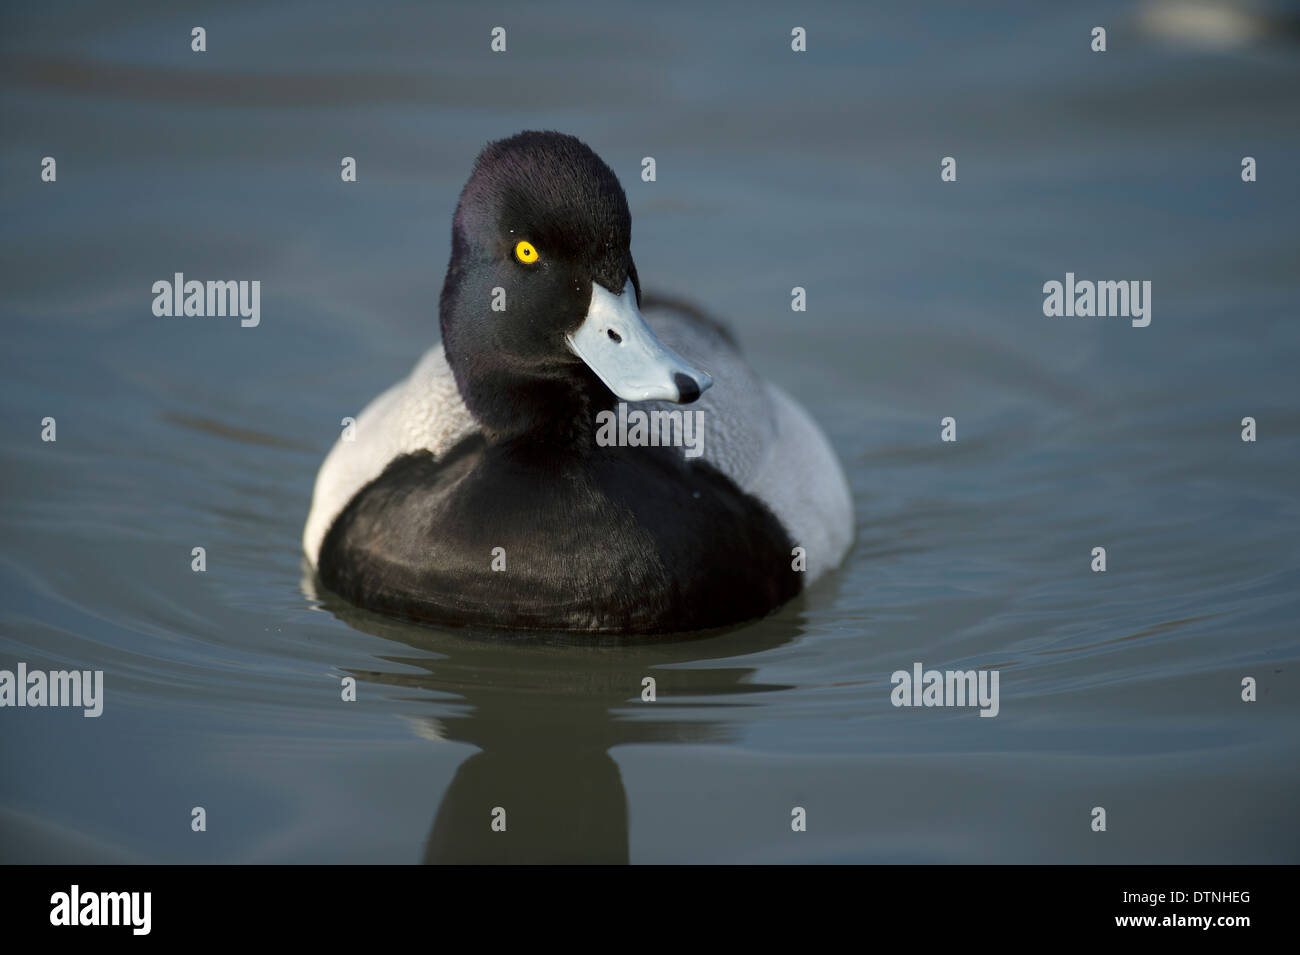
{"x":632,"y":361}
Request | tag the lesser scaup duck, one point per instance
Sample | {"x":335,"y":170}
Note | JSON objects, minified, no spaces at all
{"x":479,"y":492}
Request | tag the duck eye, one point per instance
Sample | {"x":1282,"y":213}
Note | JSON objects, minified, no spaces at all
{"x":525,"y":253}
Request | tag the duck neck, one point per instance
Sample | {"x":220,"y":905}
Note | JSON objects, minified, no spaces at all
{"x":558,"y":412}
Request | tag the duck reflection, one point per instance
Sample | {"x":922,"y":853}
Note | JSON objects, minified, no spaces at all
{"x":545,"y":709}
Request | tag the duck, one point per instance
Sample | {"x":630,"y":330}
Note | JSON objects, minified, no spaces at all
{"x":486,"y":489}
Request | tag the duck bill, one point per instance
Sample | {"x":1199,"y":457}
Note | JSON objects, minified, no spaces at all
{"x":617,"y":344}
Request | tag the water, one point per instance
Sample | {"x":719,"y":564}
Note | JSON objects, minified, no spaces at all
{"x":1119,"y":690}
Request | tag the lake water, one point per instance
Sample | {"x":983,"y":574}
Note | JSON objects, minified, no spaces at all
{"x":1119,"y":690}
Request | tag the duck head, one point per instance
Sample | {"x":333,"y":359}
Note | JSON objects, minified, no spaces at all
{"x":540,"y":310}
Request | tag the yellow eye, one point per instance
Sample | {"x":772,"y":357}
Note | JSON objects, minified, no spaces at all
{"x":525,"y":253}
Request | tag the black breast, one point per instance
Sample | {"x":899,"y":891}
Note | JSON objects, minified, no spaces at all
{"x":634,"y":540}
